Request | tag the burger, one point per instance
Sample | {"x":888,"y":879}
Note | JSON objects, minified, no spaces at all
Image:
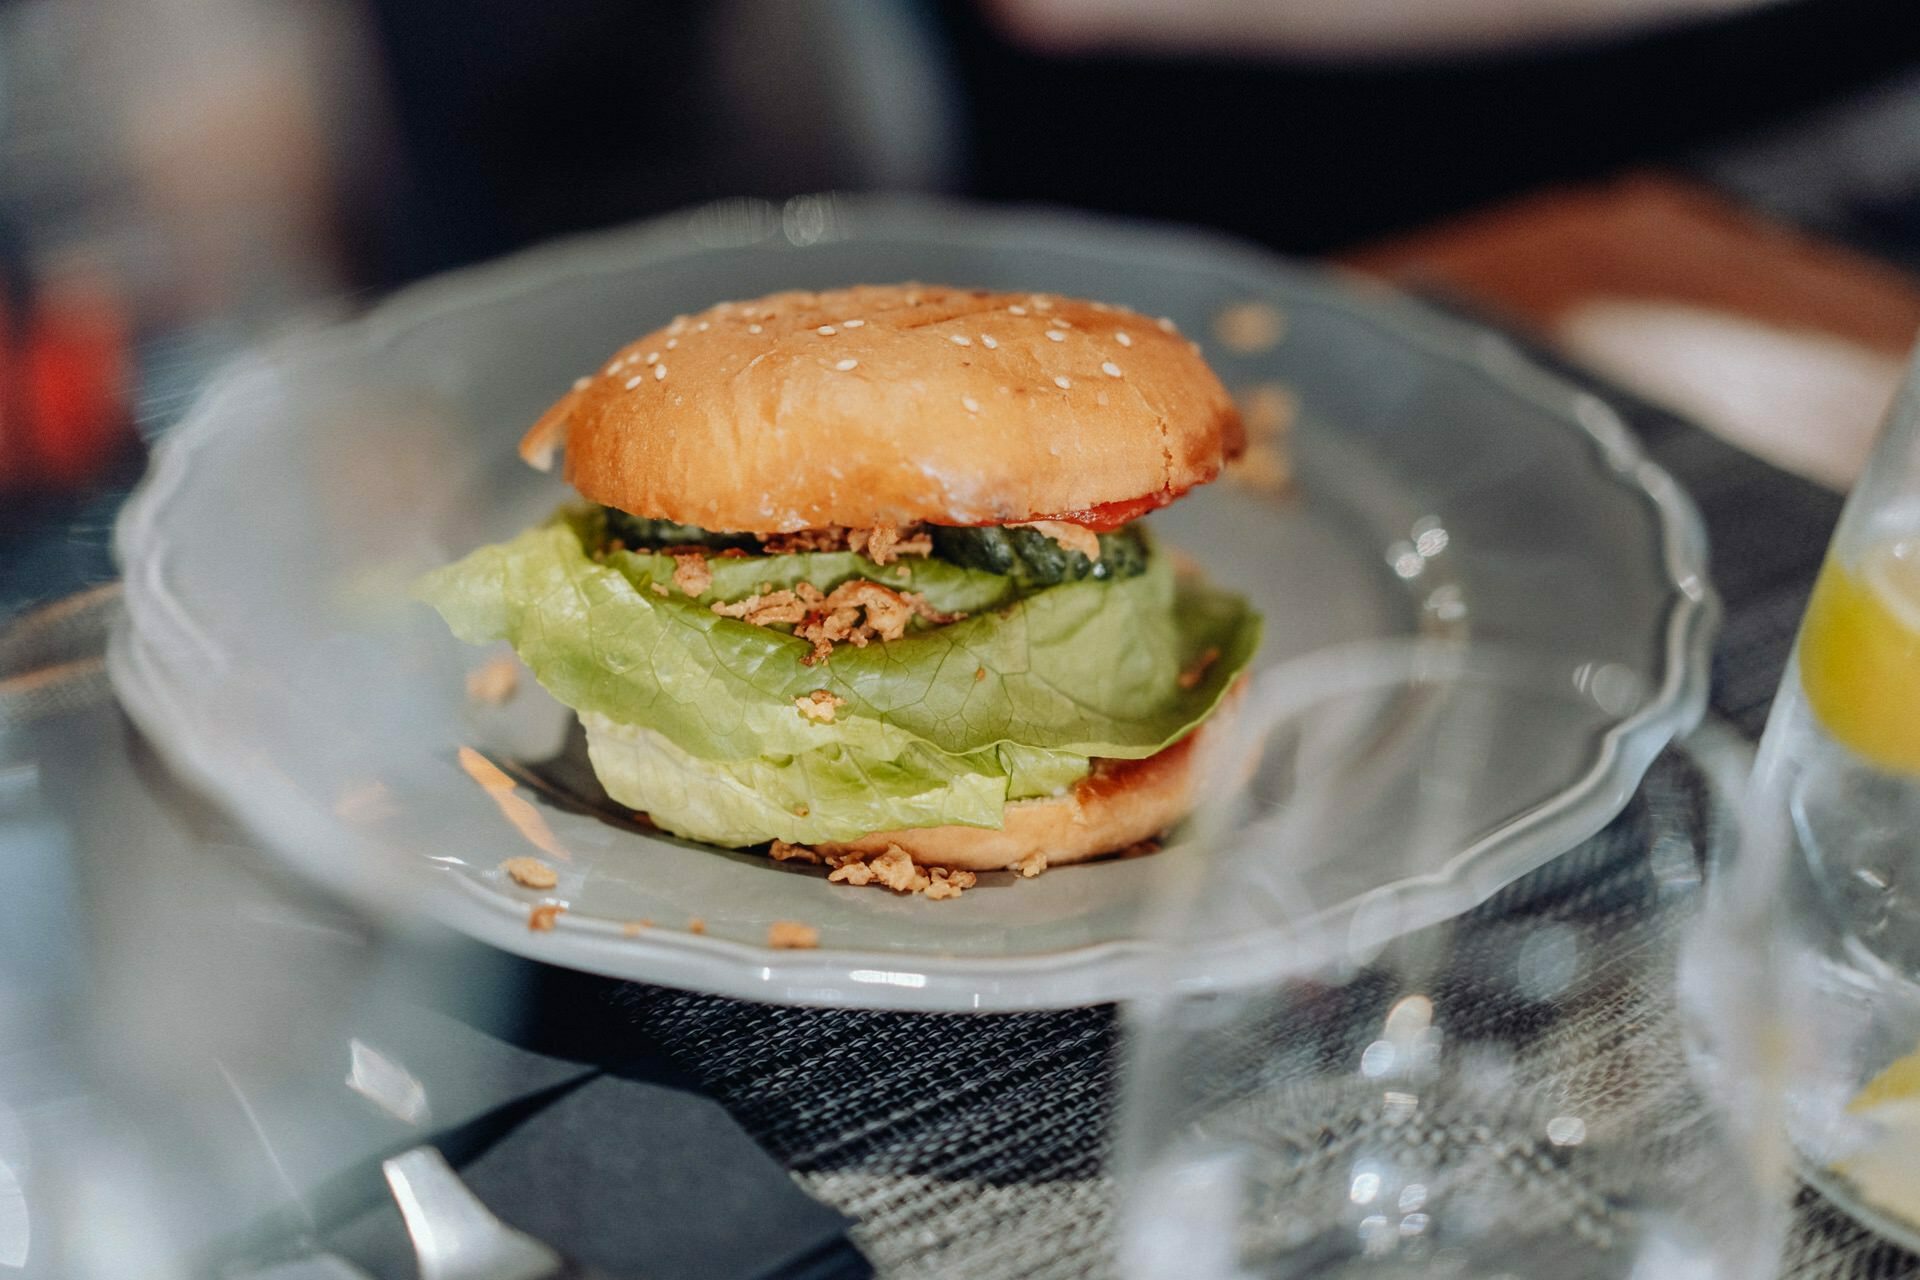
{"x":862,"y":573}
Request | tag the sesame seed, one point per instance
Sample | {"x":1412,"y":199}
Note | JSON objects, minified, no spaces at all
{"x":1166,"y":322}
{"x":987,"y":341}
{"x":679,"y":325}
{"x":753,"y":328}
{"x":845,"y":365}
{"x":959,"y":339}
{"x":1123,"y":338}
{"x":672,"y":343}
{"x":1054,"y":335}
{"x":703,"y":326}
{"x":1063,"y":322}
{"x":1101,"y":306}
{"x":1041,"y":302}
{"x":851,"y":324}
{"x":659,"y":372}
{"x":826,"y":331}
{"x":580,"y":384}
{"x":1062,"y":382}
{"x":970,"y":404}
{"x":633,"y":382}
{"x":1018,"y":311}
{"x":613,"y":367}
{"x":1111,"y":369}
{"x":653,"y":357}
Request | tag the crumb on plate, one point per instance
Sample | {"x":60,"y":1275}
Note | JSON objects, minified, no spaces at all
{"x":696,"y":925}
{"x":894,"y":868}
{"x":531,"y":872}
{"x":781,"y":851}
{"x":494,"y":681}
{"x":1248,"y":327}
{"x":791,"y":935}
{"x":1268,"y":410}
{"x":541,"y":918}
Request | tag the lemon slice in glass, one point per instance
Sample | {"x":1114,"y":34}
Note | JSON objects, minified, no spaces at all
{"x":1860,"y":654}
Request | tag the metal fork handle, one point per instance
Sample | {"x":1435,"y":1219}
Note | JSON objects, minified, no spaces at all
{"x":455,"y":1236}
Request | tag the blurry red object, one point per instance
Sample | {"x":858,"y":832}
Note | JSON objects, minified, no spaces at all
{"x":65,"y":375}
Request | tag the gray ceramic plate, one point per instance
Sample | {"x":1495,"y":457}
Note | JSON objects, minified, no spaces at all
{"x":1446,"y":488}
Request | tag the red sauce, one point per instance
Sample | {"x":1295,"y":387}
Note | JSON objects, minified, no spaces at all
{"x":1106,"y":516}
{"x":1109,"y":516}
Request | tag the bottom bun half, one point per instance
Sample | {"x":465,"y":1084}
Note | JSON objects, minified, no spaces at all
{"x":1120,"y":804}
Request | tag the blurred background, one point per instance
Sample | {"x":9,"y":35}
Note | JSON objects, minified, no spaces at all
{"x":178,"y":177}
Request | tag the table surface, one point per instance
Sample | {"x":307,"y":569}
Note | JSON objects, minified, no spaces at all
{"x":1612,"y":278}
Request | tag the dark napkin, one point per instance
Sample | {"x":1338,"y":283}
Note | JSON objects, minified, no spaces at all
{"x":618,"y":1163}
{"x":635,"y":1177}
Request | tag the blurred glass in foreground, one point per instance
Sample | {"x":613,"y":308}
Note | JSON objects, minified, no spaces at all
{"x":1425,"y":1083}
{"x":1826,"y":909}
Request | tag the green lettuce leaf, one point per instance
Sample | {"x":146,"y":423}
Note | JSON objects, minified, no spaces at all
{"x":942,"y":725}
{"x":828,"y":793}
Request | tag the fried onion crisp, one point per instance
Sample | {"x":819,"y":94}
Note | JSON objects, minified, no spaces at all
{"x":830,"y":537}
{"x":894,"y":868}
{"x":855,"y":612}
{"x":781,"y":851}
{"x":690,"y":572}
{"x":882,"y":544}
{"x":765,"y":609}
{"x":819,"y":706}
{"x":792,"y":935}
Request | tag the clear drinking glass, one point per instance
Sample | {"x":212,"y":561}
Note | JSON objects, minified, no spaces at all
{"x":1428,"y":1081}
{"x":1827,"y":904}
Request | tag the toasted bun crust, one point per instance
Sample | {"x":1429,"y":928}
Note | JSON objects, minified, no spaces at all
{"x":1121,"y":803}
{"x":892,"y":404}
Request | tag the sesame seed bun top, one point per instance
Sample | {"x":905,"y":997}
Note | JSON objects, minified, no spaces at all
{"x":892,"y":404}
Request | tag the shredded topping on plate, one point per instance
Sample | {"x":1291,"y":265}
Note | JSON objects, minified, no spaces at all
{"x":494,"y":681}
{"x":892,"y":868}
{"x":531,"y":872}
{"x":791,"y":935}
